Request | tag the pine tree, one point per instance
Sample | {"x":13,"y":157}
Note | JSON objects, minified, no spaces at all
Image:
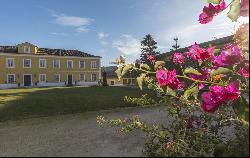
{"x":149,"y":46}
{"x":104,"y":81}
{"x":176,"y":46}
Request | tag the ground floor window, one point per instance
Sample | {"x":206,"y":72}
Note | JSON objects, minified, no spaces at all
{"x":82,"y":77}
{"x":57,"y":78}
{"x":11,"y":78}
{"x":93,"y":77}
{"x":112,"y":82}
{"x":42,"y":78}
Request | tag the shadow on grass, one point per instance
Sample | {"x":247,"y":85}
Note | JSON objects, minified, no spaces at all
{"x":18,"y":104}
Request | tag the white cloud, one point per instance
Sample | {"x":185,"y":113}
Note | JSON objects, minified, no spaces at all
{"x":102,"y":35}
{"x":58,"y":34}
{"x":79,"y":23}
{"x":127,"y":45}
{"x":103,"y":42}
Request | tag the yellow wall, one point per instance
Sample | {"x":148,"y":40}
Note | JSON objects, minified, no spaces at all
{"x":50,"y":71}
{"x":33,"y":49}
{"x":123,"y":81}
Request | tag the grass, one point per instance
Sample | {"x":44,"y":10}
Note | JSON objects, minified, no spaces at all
{"x":16,"y":104}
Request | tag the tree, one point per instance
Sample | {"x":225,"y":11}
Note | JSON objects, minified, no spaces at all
{"x":104,"y":81}
{"x":176,"y":46}
{"x":149,"y":47}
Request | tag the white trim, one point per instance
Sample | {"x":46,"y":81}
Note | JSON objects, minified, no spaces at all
{"x":95,"y":64}
{"x":31,"y":83}
{"x":71,"y":65}
{"x":83,"y":64}
{"x":7,"y":64}
{"x":40,"y":78}
{"x":58,"y":64}
{"x":7,"y":81}
{"x":27,"y":52}
{"x":58,"y":80}
{"x":30,"y":63}
{"x":68,"y":78}
{"x":47,"y":56}
{"x":45,"y":63}
{"x":80,"y":77}
{"x":7,"y":86}
{"x":92,"y":77}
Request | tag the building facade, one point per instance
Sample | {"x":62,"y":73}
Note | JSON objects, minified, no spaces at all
{"x":26,"y":65}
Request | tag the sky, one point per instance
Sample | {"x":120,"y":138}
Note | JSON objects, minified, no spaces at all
{"x":108,"y":28}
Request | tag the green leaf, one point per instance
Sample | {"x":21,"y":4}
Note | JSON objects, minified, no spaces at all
{"x":140,"y":80}
{"x":192,"y":91}
{"x":145,"y":66}
{"x":170,"y":91}
{"x":216,"y":51}
{"x":241,"y":107}
{"x":220,"y":70}
{"x":126,"y":69}
{"x":119,"y":72}
{"x":213,"y":1}
{"x":234,"y":12}
{"x":159,"y":63}
{"x":192,"y":71}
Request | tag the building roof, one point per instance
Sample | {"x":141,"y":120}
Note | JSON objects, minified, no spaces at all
{"x":110,"y":70}
{"x":48,"y":51}
{"x":219,"y":43}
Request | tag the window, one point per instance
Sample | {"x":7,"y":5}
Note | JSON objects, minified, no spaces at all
{"x":56,"y":63}
{"x":57,"y":78}
{"x":10,"y":63}
{"x":81,"y":64}
{"x":27,"y":63}
{"x":93,"y":65}
{"x":82,"y":77}
{"x":69,"y":64}
{"x":11,"y":78}
{"x":93,"y":77}
{"x":42,"y":78}
{"x":26,"y":49}
{"x":42,"y":63}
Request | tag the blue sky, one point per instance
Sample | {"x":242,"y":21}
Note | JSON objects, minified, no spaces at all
{"x":107,"y":28}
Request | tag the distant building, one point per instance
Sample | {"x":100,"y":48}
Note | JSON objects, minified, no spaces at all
{"x":112,"y":80}
{"x":26,"y":65}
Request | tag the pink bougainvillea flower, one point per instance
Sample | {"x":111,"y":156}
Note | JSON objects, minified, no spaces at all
{"x":232,"y":91}
{"x":178,"y":58}
{"x":220,"y":7}
{"x":229,"y":56}
{"x":244,"y":8}
{"x":205,"y":75}
{"x":210,"y":102}
{"x":168,"y":78}
{"x":200,"y":54}
{"x":204,"y":18}
{"x":244,"y":71}
{"x":161,"y":76}
{"x":151,"y":58}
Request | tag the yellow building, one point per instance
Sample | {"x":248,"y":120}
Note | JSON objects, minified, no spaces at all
{"x":26,"y":65}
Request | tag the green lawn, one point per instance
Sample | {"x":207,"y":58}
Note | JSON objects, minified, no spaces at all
{"x":35,"y":102}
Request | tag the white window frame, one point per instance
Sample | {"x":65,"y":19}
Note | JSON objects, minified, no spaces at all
{"x":59,"y":63}
{"x":24,"y":63}
{"x":44,"y":78}
{"x":59,"y":80}
{"x":83,"y":78}
{"x":92,"y":77}
{"x":24,"y":49}
{"x":8,"y":78}
{"x":83,"y":64}
{"x":7,"y":63}
{"x":45,"y":63}
{"x":92,"y":65}
{"x":68,"y":64}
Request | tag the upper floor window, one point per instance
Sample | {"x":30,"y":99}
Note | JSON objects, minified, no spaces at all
{"x":56,"y":63}
{"x":27,"y":63}
{"x":42,"y":78}
{"x":82,"y":77}
{"x":10,"y":63}
{"x":81,"y":64}
{"x":10,"y":78}
{"x":93,"y":65}
{"x":26,"y":49}
{"x":42,"y":63}
{"x":69,"y":64}
{"x":93,"y":77}
{"x":57,"y":78}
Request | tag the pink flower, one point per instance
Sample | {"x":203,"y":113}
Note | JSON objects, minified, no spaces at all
{"x":204,"y":18}
{"x":151,"y":58}
{"x":200,"y":54}
{"x":205,"y":75}
{"x":244,"y":8}
{"x":168,"y":78}
{"x":229,"y":56}
{"x":244,"y":71}
{"x":178,"y":58}
{"x":219,"y":95}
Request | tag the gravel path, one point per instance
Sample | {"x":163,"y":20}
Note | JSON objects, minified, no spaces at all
{"x":76,"y":135}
